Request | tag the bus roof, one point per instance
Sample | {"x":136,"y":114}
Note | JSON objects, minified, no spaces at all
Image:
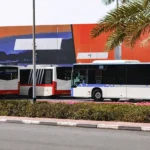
{"x":109,"y":62}
{"x":8,"y":66}
{"x":115,"y":61}
{"x":44,"y":66}
{"x":37,"y":67}
{"x":51,"y":65}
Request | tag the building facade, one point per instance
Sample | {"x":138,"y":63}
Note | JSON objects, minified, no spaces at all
{"x":62,"y":32}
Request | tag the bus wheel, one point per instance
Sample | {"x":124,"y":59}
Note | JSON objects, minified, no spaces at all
{"x":30,"y":93}
{"x":97,"y":95}
{"x":114,"y":99}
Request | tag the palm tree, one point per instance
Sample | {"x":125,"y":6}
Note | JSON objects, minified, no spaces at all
{"x":127,"y":24}
{"x":108,"y":2}
{"x":117,"y":49}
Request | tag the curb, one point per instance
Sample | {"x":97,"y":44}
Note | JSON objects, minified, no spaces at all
{"x":74,"y":124}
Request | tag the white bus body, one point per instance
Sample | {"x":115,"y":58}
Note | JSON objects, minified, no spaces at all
{"x":9,"y":80}
{"x":115,"y":79}
{"x":50,"y":80}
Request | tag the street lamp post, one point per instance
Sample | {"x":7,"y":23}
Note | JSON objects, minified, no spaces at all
{"x":34,"y":55}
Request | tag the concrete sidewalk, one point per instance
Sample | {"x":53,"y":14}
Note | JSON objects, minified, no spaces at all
{"x":78,"y":123}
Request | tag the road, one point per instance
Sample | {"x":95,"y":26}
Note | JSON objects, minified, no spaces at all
{"x":38,"y":137}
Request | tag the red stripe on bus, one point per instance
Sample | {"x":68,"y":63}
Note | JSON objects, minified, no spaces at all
{"x":54,"y":88}
{"x":36,"y":85}
{"x":19,"y":87}
{"x":9,"y":92}
{"x":59,"y":92}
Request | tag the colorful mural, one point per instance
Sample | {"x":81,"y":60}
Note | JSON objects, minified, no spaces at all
{"x":54,"y":44}
{"x":60,"y":44}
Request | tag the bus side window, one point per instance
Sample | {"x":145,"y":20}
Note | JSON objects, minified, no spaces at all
{"x":14,"y":75}
{"x":64,"y":73}
{"x":2,"y":75}
{"x":24,"y":76}
{"x":11,"y":73}
{"x":91,"y":77}
{"x":47,"y":78}
{"x":82,"y":76}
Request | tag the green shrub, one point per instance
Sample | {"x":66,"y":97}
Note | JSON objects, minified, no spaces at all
{"x":85,"y":111}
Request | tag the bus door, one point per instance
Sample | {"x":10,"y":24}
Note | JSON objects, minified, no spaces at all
{"x":2,"y":81}
{"x":11,"y":76}
{"x":63,"y":78}
{"x":79,"y":83}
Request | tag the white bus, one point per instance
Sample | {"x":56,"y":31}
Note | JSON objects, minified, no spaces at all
{"x":51,"y":80}
{"x":113,"y":79}
{"x":9,"y":80}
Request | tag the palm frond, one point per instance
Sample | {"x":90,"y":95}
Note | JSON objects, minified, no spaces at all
{"x":125,"y":1}
{"x":114,"y":39}
{"x":108,"y":2}
{"x":116,"y":18}
{"x":125,"y":24}
{"x":145,"y":41}
{"x":140,"y":27}
{"x":145,"y":3}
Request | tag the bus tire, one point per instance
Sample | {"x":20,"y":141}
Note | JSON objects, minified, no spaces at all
{"x":97,"y":95}
{"x":30,"y":93}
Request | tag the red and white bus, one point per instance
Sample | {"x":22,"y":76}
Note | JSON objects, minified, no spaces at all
{"x":9,"y":80}
{"x":51,"y":80}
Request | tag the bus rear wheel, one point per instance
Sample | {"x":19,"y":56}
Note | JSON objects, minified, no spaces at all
{"x":97,"y":95}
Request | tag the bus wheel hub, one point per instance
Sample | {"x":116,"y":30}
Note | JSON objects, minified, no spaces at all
{"x":98,"y":95}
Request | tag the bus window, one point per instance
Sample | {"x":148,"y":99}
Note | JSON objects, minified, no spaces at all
{"x":47,"y":78}
{"x":79,"y":77}
{"x":91,"y":77}
{"x":95,"y":76}
{"x":138,"y":75}
{"x":24,"y":76}
{"x":11,"y":73}
{"x":2,"y":75}
{"x":114,"y":74}
{"x":64,"y":73}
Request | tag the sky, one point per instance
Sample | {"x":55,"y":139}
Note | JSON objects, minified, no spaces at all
{"x":52,"y":12}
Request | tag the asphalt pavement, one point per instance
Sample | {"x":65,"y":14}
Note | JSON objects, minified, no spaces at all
{"x":39,"y":137}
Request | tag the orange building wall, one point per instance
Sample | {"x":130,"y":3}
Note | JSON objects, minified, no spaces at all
{"x":84,"y":43}
{"x":24,"y":30}
{"x":138,"y":52}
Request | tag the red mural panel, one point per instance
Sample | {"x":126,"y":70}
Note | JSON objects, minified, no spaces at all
{"x":138,"y":52}
{"x":85,"y":44}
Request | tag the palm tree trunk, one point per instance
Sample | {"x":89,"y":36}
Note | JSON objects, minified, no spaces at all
{"x":118,"y":49}
{"x":117,"y":3}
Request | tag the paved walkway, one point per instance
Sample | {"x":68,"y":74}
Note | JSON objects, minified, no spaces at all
{"x":77,"y":123}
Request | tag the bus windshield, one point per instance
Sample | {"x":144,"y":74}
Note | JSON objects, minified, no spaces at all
{"x":86,"y":74}
{"x":78,"y":77}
